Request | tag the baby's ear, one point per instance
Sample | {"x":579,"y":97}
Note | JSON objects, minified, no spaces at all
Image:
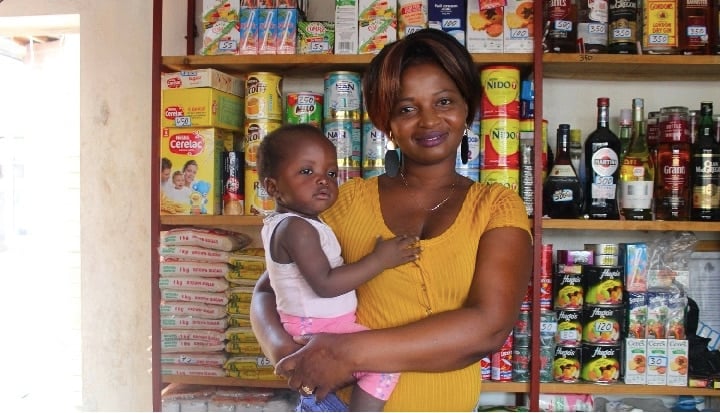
{"x":270,"y":185}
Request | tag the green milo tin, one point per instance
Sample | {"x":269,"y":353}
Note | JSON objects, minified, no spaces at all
{"x":304,"y":107}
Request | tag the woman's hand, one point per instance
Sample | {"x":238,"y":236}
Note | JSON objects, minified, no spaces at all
{"x":320,"y":364}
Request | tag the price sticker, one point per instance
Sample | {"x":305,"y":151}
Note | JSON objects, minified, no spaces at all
{"x":658,"y":39}
{"x":585,"y":57}
{"x":523,"y":33}
{"x":450,"y":23}
{"x":227,"y":45}
{"x":263,"y":362}
{"x":568,"y":335}
{"x":182,"y":121}
{"x":604,"y":326}
{"x":548,"y":327}
{"x":622,"y":33}
{"x":657,"y":361}
{"x":317,"y":47}
{"x":595,"y":28}
{"x":563,"y":25}
{"x":696,"y":31}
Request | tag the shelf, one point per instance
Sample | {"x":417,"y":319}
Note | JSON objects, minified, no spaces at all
{"x":224,"y":381}
{"x":211,"y":220}
{"x":307,"y":64}
{"x":630,"y":67}
{"x":616,"y":225}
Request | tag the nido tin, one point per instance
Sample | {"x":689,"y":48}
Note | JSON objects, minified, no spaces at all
{"x":566,"y":364}
{"x":603,"y":285}
{"x":602,"y":325}
{"x":601,"y":363}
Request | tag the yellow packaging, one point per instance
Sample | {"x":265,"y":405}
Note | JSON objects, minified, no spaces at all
{"x":412,"y":16}
{"x":255,"y":131}
{"x":196,"y":159}
{"x":257,"y":201}
{"x":201,"y":108}
{"x":509,"y":177}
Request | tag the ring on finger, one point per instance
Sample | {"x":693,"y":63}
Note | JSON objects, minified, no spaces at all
{"x":307,"y":390}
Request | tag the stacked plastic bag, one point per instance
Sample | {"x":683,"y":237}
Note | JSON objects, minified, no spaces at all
{"x":195,"y":265}
{"x":200,"y":398}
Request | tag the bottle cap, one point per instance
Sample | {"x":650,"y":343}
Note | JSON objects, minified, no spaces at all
{"x":603,"y":101}
{"x":625,"y":117}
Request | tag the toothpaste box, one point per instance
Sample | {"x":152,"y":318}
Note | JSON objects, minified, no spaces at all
{"x":449,"y":16}
{"x":657,"y":362}
{"x":635,"y":361}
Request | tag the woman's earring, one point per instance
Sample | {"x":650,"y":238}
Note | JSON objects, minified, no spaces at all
{"x":392,"y":159}
{"x":464,"y":148}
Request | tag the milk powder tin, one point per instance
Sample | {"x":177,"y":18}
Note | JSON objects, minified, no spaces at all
{"x":501,"y":91}
{"x":263,"y":96}
{"x":343,"y":96}
{"x":255,"y":131}
{"x":345,"y":135}
{"x":373,"y":146}
{"x":500,"y":142}
{"x":304,"y":107}
{"x":257,"y":200}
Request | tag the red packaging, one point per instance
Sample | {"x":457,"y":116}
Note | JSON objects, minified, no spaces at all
{"x":501,"y":369}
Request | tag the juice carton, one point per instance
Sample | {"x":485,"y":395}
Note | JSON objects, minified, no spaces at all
{"x":485,"y":29}
{"x":249,"y":33}
{"x":635,"y":361}
{"x":201,"y":107}
{"x":518,"y":29}
{"x":286,"y":29}
{"x":196,"y":158}
{"x":657,"y":362}
{"x":346,"y":26}
{"x":677,"y":373}
{"x":267,"y":31}
{"x":449,"y":16}
{"x":634,"y":257}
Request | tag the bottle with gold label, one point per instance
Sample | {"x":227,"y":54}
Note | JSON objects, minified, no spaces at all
{"x":623,"y":28}
{"x":660,"y":27}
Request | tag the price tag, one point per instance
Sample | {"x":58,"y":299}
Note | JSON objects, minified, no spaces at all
{"x":585,"y":57}
{"x":595,"y":28}
{"x":568,"y":335}
{"x":696,"y":31}
{"x":227,"y":45}
{"x":563,"y":25}
{"x":317,"y":47}
{"x":548,"y":327}
{"x":522,"y":33}
{"x":182,"y":121}
{"x":450,"y":23}
{"x":657,"y":361}
{"x":658,"y":39}
{"x":622,"y":33}
{"x":604,"y":326}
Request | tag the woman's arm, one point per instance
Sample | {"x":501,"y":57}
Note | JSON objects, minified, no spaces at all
{"x":274,"y":341}
{"x":442,"y":342}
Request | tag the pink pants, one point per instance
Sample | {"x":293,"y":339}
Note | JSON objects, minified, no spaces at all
{"x":378,"y":385}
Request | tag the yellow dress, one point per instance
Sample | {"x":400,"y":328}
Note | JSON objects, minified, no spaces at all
{"x":439,"y":281}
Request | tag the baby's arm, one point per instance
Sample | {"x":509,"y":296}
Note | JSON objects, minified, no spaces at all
{"x":301,"y":242}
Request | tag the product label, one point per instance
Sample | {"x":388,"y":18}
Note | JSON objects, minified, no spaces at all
{"x":661,"y":23}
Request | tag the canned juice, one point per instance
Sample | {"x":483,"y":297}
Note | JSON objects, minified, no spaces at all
{"x":603,"y":285}
{"x":602,"y":325}
{"x":601,"y":363}
{"x":566,"y":364}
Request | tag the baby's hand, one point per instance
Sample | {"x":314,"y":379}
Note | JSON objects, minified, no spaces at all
{"x":396,"y":251}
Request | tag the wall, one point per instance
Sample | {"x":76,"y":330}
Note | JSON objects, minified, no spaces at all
{"x":115,"y":115}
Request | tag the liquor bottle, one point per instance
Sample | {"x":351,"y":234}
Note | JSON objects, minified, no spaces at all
{"x":625,"y":130}
{"x":637,"y":173}
{"x":696,"y":21}
{"x":592,"y":26}
{"x":623,"y":28}
{"x":576,"y":150}
{"x":561,"y":16}
{"x":562,"y":194}
{"x":672,"y":178}
{"x":660,"y":27}
{"x":705,"y":169}
{"x":602,"y":167}
{"x":653,"y":133}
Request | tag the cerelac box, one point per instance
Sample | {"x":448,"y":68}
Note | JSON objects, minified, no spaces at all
{"x":201,"y":108}
{"x":195,"y":156}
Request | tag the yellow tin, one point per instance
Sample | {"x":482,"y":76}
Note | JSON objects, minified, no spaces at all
{"x":263,"y":96}
{"x":257,"y":200}
{"x":255,"y":131}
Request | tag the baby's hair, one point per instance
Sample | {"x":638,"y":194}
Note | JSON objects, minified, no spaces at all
{"x":278,"y":145}
{"x":178,"y":173}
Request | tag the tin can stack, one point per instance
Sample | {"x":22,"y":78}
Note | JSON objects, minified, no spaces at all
{"x":500,"y":125}
{"x":373,"y":149}
{"x":342,"y":115}
{"x":263,"y":114}
{"x":304,"y":107}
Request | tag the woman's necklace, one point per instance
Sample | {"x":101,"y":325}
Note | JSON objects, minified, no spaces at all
{"x":438,"y":205}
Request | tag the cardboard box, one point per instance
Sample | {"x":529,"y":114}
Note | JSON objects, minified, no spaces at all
{"x":635,"y":361}
{"x":346,"y":26}
{"x":412,"y":16}
{"x":449,"y":16}
{"x":633,"y":256}
{"x":220,"y":10}
{"x":657,"y":362}
{"x":201,"y":108}
{"x":188,"y":79}
{"x":518,"y":27}
{"x":375,"y":34}
{"x":678,"y":361}
{"x":484,"y":29}
{"x":377,"y":9}
{"x":197,"y":155}
{"x":314,"y":37}
{"x":220,"y":38}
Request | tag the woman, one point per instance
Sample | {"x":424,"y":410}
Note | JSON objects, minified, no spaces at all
{"x":432,"y":321}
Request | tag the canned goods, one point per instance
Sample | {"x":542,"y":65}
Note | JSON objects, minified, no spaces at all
{"x":304,"y":107}
{"x":570,"y":292}
{"x":603,"y":249}
{"x":345,"y":135}
{"x":368,"y":173}
{"x":255,"y":131}
{"x":603,"y":285}
{"x":475,"y":155}
{"x":485,"y":368}
{"x":566,"y":364}
{"x":257,"y":200}
{"x":263,"y":96}
{"x":546,"y":363}
{"x":373,"y":146}
{"x":601,"y":363}
{"x":602,"y":325}
{"x":501,"y":367}
{"x":501,"y":91}
{"x":345,"y":174}
{"x":233,"y":198}
{"x":569,"y":327}
{"x":526,"y":304}
{"x":470,"y":173}
{"x":521,"y":364}
{"x":546,"y":259}
{"x":527,"y":171}
{"x":343,"y":96}
{"x":500,"y":142}
{"x":522,"y":330}
{"x":506,"y":176}
{"x":548,"y":328}
{"x":546,"y":295}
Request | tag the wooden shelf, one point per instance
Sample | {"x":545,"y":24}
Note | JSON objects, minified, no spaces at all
{"x":613,"y":225}
{"x":630,"y":67}
{"x":309,"y":64}
{"x":224,"y":381}
{"x":211,"y":220}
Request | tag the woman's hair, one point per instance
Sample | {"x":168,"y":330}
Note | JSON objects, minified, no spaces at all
{"x":188,"y":163}
{"x":381,"y":82}
{"x":165,"y":163}
{"x":277,"y":145}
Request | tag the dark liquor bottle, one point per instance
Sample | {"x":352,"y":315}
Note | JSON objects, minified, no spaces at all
{"x":705,"y":169}
{"x":623,"y":28}
{"x":561,"y":18}
{"x":637,"y":174}
{"x":592,"y":26}
{"x":562,"y":194}
{"x":696,"y":21}
{"x":602,"y":167}
{"x":672,"y":178}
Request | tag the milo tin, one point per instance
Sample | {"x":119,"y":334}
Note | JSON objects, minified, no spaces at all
{"x":602,"y":325}
{"x":566,"y":364}
{"x":257,"y":200}
{"x":345,"y":135}
{"x":263,"y":96}
{"x":601,"y":363}
{"x":304,"y":107}
{"x":343,"y":96}
{"x":255,"y":131}
{"x":603,"y":285}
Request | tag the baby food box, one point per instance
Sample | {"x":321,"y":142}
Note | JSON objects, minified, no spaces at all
{"x":346,"y":26}
{"x":220,"y":10}
{"x":200,"y":108}
{"x":212,"y":78}
{"x":678,"y":362}
{"x":195,"y":155}
{"x":412,"y":16}
{"x":375,"y":34}
{"x":220,"y":38}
